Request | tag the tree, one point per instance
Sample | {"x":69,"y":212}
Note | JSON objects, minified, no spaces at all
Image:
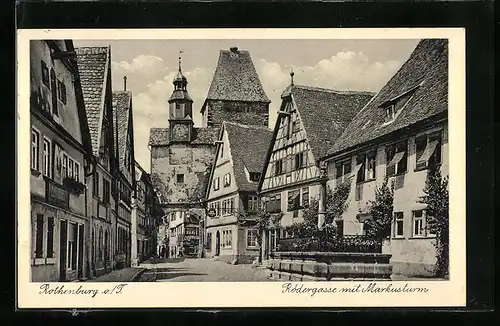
{"x":307,"y":232}
{"x":379,"y":226}
{"x":436,"y":197}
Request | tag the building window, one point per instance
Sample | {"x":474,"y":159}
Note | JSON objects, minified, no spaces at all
{"x":396,"y":156}
{"x":428,"y":150}
{"x":222,"y":150}
{"x":106,"y":185}
{"x":398,"y":224}
{"x":50,"y":237}
{"x":227,"y":180}
{"x":227,"y":237}
{"x":254,"y":176}
{"x":46,"y":157}
{"x":53,"y":87}
{"x":274,"y":204}
{"x":293,"y":200}
{"x":72,"y":246}
{"x":343,"y":171}
{"x":208,"y":244}
{"x":61,"y":91}
{"x":70,"y":168}
{"x":305,"y":197}
{"x":370,"y":166}
{"x":65,"y":165}
{"x":35,"y":147}
{"x":45,"y":74}
{"x":216,"y":183}
{"x":76,"y":171}
{"x":253,"y":203}
{"x":39,"y":236}
{"x":180,"y":178}
{"x":218,"y":210}
{"x":390,"y":113}
{"x":418,"y":224}
{"x":300,"y":161}
{"x":278,"y":167}
{"x":96,"y":184}
{"x":251,"y":238}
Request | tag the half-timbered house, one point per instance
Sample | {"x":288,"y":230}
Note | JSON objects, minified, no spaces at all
{"x":232,"y":193}
{"x":309,"y":121}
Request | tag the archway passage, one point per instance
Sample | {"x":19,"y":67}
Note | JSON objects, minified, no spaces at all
{"x":217,"y":243}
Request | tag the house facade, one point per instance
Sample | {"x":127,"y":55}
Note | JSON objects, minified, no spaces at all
{"x":398,"y":135}
{"x":231,"y":234}
{"x":60,"y":160}
{"x":125,"y":181}
{"x":94,"y":65}
{"x":309,"y":120}
{"x":145,"y":235}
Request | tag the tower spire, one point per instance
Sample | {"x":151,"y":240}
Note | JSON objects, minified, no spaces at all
{"x":291,"y":76}
{"x":180,"y":60}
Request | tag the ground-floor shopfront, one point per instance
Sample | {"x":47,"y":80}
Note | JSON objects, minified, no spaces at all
{"x":57,"y":244}
{"x":123,"y":245}
{"x":232,"y":243}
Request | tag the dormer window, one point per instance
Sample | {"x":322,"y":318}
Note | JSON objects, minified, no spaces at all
{"x":390,"y":112}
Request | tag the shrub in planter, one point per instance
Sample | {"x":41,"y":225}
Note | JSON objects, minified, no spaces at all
{"x":73,"y":186}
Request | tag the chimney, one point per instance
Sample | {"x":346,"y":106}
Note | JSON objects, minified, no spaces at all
{"x":125,"y":83}
{"x":234,"y":49}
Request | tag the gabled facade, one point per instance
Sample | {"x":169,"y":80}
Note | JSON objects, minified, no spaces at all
{"x":399,"y":134}
{"x":60,"y":160}
{"x":181,"y":157}
{"x":145,"y":235}
{"x":232,"y":193}
{"x":94,"y":65}
{"x":125,"y":181}
{"x":309,"y":120}
{"x":236,"y":93}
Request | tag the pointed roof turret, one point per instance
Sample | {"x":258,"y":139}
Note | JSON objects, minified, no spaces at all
{"x":180,"y":85}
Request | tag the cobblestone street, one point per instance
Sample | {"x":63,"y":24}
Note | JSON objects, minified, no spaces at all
{"x":200,"y":270}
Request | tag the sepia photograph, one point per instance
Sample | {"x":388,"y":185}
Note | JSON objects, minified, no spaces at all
{"x":253,"y":159}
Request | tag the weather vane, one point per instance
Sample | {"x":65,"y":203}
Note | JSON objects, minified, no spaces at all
{"x":180,"y":58}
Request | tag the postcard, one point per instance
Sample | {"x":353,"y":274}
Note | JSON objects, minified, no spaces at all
{"x":215,"y":168}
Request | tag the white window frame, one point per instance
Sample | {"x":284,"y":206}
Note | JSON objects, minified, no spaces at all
{"x":227,"y":180}
{"x":345,"y":176}
{"x":47,"y":165}
{"x":421,"y":233}
{"x":252,"y":237}
{"x":70,"y":167}
{"x":35,"y":158}
{"x":216,"y":183}
{"x":76,"y":171}
{"x":253,"y":203}
{"x":395,"y":225}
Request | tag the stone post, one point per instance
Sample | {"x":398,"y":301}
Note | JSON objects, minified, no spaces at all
{"x":322,"y":195}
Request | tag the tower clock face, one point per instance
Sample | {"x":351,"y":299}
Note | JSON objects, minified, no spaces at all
{"x":180,"y":132}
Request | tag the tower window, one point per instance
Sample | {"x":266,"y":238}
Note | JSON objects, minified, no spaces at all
{"x":180,"y":178}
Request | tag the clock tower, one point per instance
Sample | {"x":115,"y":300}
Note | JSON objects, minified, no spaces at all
{"x":180,"y":110}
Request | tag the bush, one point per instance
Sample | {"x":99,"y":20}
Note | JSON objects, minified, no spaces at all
{"x":436,"y":197}
{"x":379,"y":226}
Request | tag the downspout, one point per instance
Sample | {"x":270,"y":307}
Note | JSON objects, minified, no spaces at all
{"x":91,"y":251}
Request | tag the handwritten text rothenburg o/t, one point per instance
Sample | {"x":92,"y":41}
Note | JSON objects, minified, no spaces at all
{"x":60,"y":289}
{"x":359,"y":288}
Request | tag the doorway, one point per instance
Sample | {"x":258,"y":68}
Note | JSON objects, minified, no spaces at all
{"x":62,"y":250}
{"x":217,"y":243}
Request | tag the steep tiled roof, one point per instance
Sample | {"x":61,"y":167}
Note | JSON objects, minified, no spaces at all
{"x":249,"y":145}
{"x":325,"y":113}
{"x":121,"y":116}
{"x":236,"y":79}
{"x":426,"y":71}
{"x":160,"y":136}
{"x":93,"y":63}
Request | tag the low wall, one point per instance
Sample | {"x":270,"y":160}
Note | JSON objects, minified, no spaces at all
{"x":329,"y":266}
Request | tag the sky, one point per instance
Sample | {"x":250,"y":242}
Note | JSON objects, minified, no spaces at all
{"x":150,"y":65}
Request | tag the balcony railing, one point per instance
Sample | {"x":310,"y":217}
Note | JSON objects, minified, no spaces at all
{"x":56,"y":194}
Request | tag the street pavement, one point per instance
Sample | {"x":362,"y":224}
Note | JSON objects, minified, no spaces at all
{"x":199,"y":270}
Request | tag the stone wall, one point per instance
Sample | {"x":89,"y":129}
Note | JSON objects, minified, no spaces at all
{"x":329,"y":266}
